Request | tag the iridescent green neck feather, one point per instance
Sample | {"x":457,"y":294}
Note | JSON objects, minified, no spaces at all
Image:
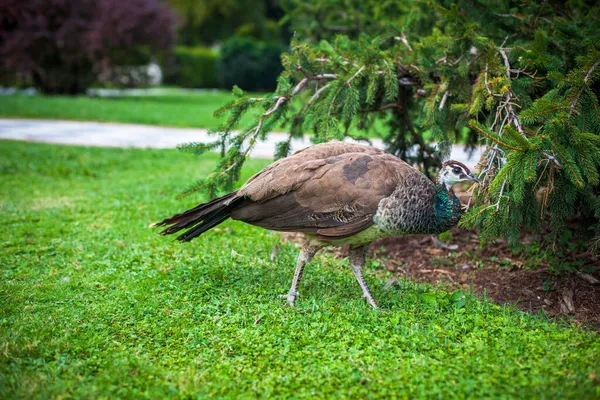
{"x":447,"y":209}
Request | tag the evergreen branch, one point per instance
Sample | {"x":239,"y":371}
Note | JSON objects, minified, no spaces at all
{"x":444,"y":98}
{"x":196,"y":147}
{"x":305,"y":81}
{"x":316,"y":96}
{"x":571,"y":169}
{"x":513,"y":118}
{"x":279,"y":102}
{"x":543,"y":112}
{"x":484,"y":132}
{"x":510,"y":132}
{"x":552,"y":158}
{"x":585,"y":82}
{"x":197,"y":186}
{"x":384,"y":107}
{"x":509,"y":94}
{"x":332,"y":103}
{"x":402,"y":81}
{"x":237,"y":104}
{"x":485,"y":77}
{"x":212,"y":176}
{"x":500,"y":194}
{"x":466,"y":221}
{"x":361,"y":69}
{"x":510,"y":16}
{"x":301,"y":85}
{"x":403,"y":39}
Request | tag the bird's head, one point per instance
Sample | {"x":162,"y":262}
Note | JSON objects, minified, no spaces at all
{"x":453,"y":172}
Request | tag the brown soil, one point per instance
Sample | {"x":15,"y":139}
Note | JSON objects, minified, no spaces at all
{"x":494,"y":270}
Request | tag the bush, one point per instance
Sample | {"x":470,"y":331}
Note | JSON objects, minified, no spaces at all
{"x":63,"y":44}
{"x":132,"y":76}
{"x":250,"y":64}
{"x":195,"y":67}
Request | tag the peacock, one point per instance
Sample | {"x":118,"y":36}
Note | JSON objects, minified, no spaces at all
{"x":338,"y":194}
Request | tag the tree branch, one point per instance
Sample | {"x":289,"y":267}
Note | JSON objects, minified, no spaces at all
{"x":444,"y":98}
{"x":585,"y":81}
{"x":301,"y":85}
{"x":316,"y":95}
{"x":403,"y":39}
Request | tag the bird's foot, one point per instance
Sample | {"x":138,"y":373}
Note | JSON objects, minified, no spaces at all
{"x":370,"y":300}
{"x":290,"y":297}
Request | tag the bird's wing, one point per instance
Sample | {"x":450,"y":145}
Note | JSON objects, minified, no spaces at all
{"x":288,"y":173}
{"x":333,"y":197}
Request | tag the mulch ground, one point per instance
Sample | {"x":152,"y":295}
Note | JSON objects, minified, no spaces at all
{"x":495,"y":271}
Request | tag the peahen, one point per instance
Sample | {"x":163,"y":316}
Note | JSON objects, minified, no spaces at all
{"x":335,"y":193}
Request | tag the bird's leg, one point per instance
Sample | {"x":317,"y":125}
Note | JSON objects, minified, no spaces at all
{"x":306,"y":254}
{"x":357,"y":263}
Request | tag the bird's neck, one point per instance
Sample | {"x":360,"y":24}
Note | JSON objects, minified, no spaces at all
{"x":441,"y":181}
{"x":446,"y":208}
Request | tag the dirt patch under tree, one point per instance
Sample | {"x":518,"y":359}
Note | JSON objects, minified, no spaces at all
{"x":494,"y":269}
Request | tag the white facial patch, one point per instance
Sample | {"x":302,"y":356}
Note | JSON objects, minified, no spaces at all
{"x":448,"y":177}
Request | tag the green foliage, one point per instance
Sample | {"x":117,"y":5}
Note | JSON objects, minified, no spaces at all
{"x":96,"y":305}
{"x":208,"y":22}
{"x":323,"y":19}
{"x":249,"y":63}
{"x":195,"y":67}
{"x":172,"y":107}
{"x":520,"y":80}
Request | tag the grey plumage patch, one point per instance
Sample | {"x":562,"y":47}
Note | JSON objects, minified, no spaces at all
{"x":357,"y":168}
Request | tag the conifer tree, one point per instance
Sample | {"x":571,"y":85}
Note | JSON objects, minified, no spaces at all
{"x":521,"y":79}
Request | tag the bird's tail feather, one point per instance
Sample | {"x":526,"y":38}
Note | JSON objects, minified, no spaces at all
{"x":200,"y":218}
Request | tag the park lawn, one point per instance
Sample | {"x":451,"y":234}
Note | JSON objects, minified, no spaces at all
{"x":173,"y":107}
{"x":96,"y":304}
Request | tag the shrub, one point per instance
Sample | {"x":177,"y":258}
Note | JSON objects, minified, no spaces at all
{"x":249,"y":63}
{"x":195,"y":67}
{"x":64,"y":44}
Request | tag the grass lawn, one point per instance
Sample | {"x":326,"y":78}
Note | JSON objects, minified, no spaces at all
{"x":177,"y":108}
{"x":174,"y":108}
{"x":96,"y":304}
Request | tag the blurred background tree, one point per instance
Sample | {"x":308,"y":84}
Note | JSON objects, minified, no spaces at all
{"x":207,"y":22}
{"x":66,"y":46}
{"x":234,"y":42}
{"x":316,"y":20}
{"x":62,"y":46}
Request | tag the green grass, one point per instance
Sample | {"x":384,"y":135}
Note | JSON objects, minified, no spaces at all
{"x":174,"y":108}
{"x":96,"y":304}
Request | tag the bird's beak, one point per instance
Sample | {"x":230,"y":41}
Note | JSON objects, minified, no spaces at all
{"x":474,"y":178}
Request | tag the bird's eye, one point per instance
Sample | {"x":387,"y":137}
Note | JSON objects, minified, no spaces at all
{"x":456,"y":170}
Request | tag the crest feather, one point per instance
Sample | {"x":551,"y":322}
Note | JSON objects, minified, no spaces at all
{"x":456,"y":163}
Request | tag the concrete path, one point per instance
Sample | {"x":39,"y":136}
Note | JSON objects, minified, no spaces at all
{"x":144,"y":136}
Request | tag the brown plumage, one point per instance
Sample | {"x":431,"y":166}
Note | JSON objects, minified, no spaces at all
{"x":334,"y":193}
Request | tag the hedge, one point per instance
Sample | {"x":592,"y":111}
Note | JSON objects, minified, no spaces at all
{"x":195,"y":67}
{"x":249,"y":63}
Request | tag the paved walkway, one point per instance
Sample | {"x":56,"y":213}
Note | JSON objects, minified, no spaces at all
{"x":144,"y":136}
